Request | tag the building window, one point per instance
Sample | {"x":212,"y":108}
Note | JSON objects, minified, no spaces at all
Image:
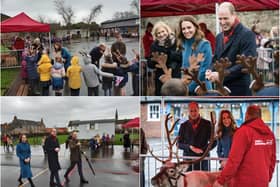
{"x":153,"y":112}
{"x":93,"y":126}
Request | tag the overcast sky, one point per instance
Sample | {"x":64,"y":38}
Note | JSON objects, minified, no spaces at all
{"x":81,"y":8}
{"x":58,"y":111}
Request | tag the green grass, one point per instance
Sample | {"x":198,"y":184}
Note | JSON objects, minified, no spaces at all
{"x":38,"y":140}
{"x":118,"y":138}
{"x":7,"y":77}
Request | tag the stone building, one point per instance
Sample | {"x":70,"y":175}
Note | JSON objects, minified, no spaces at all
{"x":21,"y":126}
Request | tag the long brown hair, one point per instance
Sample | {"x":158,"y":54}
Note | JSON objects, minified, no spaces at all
{"x":198,"y":36}
{"x":221,"y":126}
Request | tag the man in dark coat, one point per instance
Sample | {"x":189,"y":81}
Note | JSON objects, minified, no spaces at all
{"x":52,"y":147}
{"x":235,"y":39}
{"x":194,"y":136}
{"x":75,"y":158}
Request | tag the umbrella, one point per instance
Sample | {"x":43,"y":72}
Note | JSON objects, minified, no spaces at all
{"x":132,"y":123}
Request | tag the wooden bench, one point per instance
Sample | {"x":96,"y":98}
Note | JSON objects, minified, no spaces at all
{"x":23,"y":90}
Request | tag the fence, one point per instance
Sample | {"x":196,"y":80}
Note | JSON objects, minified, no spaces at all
{"x":152,"y":167}
{"x":265,"y":67}
{"x":11,"y":59}
{"x":266,"y":64}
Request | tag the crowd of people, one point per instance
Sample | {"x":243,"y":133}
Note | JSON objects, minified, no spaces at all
{"x":64,"y":72}
{"x":191,"y":54}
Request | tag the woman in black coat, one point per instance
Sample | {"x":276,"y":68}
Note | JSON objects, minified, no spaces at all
{"x":165,"y":42}
{"x":126,"y":140}
{"x":52,"y":148}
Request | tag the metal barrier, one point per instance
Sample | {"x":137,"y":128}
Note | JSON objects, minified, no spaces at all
{"x":265,"y":64}
{"x":152,"y":166}
{"x":11,"y":59}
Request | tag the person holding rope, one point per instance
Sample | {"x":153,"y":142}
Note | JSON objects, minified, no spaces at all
{"x":75,"y":158}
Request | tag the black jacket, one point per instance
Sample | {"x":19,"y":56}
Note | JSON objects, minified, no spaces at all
{"x":50,"y":144}
{"x":174,"y":61}
{"x":242,"y":42}
{"x":198,"y":138}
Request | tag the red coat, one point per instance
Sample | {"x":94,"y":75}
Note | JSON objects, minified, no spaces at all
{"x":147,"y":42}
{"x":252,"y":156}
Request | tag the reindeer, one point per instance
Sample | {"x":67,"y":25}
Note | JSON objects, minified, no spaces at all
{"x":249,"y":65}
{"x":173,"y":174}
{"x":220,"y":67}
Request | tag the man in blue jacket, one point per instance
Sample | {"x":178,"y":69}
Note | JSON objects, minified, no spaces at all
{"x":235,"y":39}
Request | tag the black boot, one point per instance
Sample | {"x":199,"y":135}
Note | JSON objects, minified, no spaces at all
{"x":84,"y":181}
{"x":20,"y":182}
{"x":53,"y":184}
{"x":31,"y":182}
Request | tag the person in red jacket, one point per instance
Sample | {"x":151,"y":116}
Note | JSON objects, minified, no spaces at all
{"x":252,"y":157}
{"x":208,"y":35}
{"x":148,"y":40}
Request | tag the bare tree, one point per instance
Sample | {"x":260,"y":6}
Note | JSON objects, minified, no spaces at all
{"x":93,"y":13}
{"x":66,"y":12}
{"x":135,"y":6}
{"x":121,"y":15}
{"x":42,"y":19}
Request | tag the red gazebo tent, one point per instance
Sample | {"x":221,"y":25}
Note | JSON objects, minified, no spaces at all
{"x":23,"y":23}
{"x":132,"y":123}
{"x":157,"y":8}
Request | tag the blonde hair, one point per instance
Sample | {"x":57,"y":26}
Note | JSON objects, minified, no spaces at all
{"x":158,"y":25}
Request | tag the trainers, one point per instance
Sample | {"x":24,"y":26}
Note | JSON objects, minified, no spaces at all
{"x":118,"y":80}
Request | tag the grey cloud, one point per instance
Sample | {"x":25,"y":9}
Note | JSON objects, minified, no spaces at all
{"x":58,"y":111}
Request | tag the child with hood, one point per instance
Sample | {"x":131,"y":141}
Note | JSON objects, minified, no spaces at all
{"x":58,"y":73}
{"x":74,"y":75}
{"x":31,"y":67}
{"x":44,"y":69}
{"x":91,"y":72}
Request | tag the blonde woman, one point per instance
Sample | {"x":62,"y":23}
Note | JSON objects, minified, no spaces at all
{"x":165,"y":43}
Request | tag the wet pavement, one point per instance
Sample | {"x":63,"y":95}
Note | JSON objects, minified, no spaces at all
{"x":113,"y":167}
{"x":87,"y":45}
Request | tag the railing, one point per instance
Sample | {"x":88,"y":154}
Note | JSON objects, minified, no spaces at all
{"x":266,"y":64}
{"x":152,"y":166}
{"x":11,"y":59}
{"x":265,"y":67}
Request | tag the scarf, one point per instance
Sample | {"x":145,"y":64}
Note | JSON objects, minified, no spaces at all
{"x":228,"y":34}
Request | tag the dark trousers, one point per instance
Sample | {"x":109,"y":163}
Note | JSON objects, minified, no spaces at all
{"x":73,"y":163}
{"x":107,"y":92}
{"x":142,"y":172}
{"x":56,"y":176}
{"x":45,"y":85}
{"x":135,"y":84}
{"x":75,"y":92}
{"x":93,"y":90}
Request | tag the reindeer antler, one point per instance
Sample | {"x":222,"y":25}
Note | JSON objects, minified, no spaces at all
{"x":249,"y":66}
{"x":193,"y":71}
{"x":161,"y":59}
{"x":220,"y":67}
{"x":212,"y":139}
{"x":170,"y":143}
